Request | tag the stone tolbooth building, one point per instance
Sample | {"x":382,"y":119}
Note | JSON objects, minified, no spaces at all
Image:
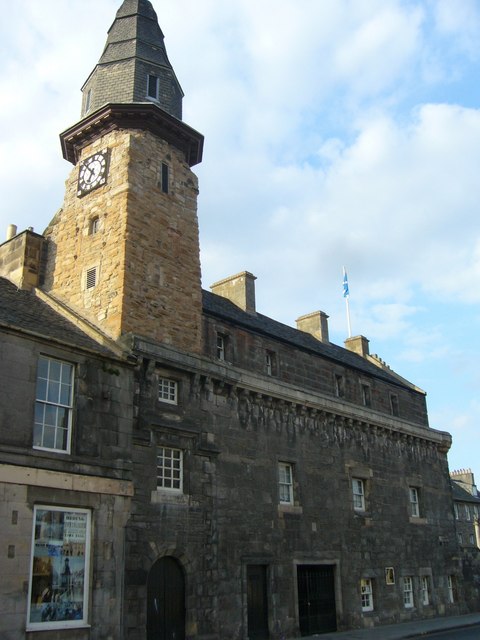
{"x":183,"y":466}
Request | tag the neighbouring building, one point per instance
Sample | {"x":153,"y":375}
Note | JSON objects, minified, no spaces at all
{"x":175,"y":464}
{"x":466,"y":504}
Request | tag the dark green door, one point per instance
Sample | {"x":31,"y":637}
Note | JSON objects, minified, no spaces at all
{"x":166,"y":601}
{"x":316,"y":599}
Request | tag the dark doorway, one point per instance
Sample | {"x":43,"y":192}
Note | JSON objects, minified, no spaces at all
{"x":257,"y":606}
{"x":316,"y":599}
{"x":166,"y":601}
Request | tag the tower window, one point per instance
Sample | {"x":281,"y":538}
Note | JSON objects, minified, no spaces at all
{"x":91,"y":278}
{"x":165,"y":177}
{"x":94,"y":226}
{"x":88,"y":101}
{"x":153,"y":85}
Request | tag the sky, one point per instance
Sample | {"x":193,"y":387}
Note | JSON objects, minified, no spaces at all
{"x":337,"y":133}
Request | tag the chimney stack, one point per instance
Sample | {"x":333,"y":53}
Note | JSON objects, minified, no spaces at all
{"x":358,"y":344}
{"x":316,"y":324}
{"x":239,"y":289}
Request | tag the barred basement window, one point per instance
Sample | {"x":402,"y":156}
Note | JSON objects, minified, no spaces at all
{"x":167,"y":390}
{"x":170,"y":469}
{"x":91,"y":278}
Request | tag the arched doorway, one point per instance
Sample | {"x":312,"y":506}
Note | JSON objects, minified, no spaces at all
{"x":166,"y":601}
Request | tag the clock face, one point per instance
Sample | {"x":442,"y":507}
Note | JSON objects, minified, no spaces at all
{"x":93,"y":173}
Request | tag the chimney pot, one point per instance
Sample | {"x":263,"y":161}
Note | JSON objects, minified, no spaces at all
{"x":11,"y":231}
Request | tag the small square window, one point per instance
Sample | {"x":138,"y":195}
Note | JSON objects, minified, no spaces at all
{"x":285,"y":483}
{"x":221,"y":346}
{"x":366,"y":396}
{"x":153,"y":85}
{"x":339,"y":386}
{"x":394,"y":405}
{"x":407,"y":592}
{"x":94,"y":226}
{"x":170,"y":469}
{"x":168,"y":390}
{"x":414,"y":503}
{"x":270,"y":363}
{"x":358,"y":490}
{"x":367,"y":594}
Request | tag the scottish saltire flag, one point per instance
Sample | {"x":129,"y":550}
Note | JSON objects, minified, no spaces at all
{"x":346,"y":292}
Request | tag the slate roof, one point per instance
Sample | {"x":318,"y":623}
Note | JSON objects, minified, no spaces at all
{"x":223,"y":308}
{"x":23,"y":311}
{"x":462,"y":495}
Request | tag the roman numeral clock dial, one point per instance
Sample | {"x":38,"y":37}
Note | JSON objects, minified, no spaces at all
{"x":93,"y":173}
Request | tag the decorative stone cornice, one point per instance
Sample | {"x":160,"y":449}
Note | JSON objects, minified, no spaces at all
{"x":144,"y":116}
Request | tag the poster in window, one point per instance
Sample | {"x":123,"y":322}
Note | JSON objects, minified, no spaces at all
{"x":60,"y":567}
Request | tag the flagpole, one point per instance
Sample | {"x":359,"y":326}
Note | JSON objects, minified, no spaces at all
{"x":346,"y":295}
{"x":348,"y":317}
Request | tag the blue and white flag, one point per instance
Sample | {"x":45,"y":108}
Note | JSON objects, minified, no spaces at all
{"x":346,"y":292}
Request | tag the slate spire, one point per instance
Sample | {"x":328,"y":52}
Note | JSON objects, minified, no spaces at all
{"x":134,"y":66}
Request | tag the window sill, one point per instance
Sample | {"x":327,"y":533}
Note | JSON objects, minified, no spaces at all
{"x":415,"y":520}
{"x":290,"y":508}
{"x":158,"y":496}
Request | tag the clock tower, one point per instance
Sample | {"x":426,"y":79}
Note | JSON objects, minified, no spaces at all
{"x":123,"y":250}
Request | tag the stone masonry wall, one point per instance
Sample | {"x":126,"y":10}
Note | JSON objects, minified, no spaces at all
{"x":229,"y":516}
{"x":145,"y":248}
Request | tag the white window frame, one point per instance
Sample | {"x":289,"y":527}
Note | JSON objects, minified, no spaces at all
{"x":452,"y":587}
{"x":408,"y":601}
{"x":358,"y":494}
{"x":221,"y":347}
{"x":414,"y":502}
{"x":53,"y":397}
{"x":425,"y":590}
{"x":285,"y":483}
{"x":167,"y":390}
{"x":169,"y":469}
{"x":59,"y":568}
{"x":366,"y":590}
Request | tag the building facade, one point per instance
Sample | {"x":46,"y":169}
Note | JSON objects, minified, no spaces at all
{"x":183,"y":466}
